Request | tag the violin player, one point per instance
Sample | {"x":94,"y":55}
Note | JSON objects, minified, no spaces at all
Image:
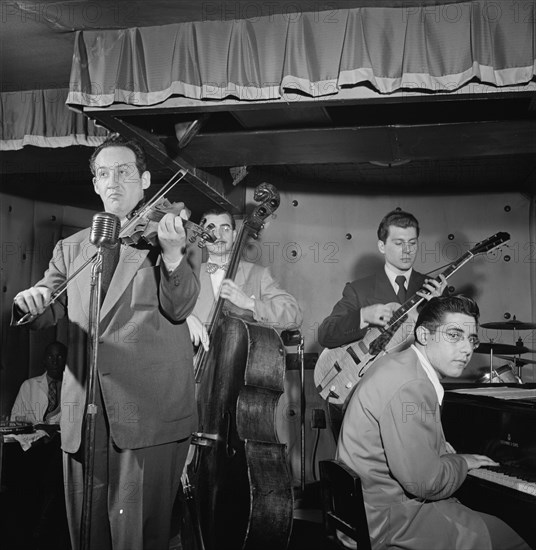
{"x":254,"y":289}
{"x":144,"y":382}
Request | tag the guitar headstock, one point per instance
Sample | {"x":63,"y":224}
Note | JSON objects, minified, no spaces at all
{"x":490,"y":243}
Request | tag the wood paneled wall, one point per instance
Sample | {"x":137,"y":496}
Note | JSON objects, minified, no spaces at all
{"x":28,"y":232}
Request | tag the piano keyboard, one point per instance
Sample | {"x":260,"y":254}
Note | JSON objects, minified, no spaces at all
{"x":506,"y":480}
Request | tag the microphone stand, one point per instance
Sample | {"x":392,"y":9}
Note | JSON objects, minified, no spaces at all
{"x":91,"y":407}
{"x":302,"y":412}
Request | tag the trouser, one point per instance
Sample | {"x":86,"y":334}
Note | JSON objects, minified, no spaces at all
{"x":133,"y":491}
{"x":503,"y":537}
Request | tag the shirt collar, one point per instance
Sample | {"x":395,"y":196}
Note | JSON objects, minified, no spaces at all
{"x":431,"y":373}
{"x":391,"y":275}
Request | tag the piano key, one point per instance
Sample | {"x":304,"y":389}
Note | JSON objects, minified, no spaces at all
{"x":505,"y":480}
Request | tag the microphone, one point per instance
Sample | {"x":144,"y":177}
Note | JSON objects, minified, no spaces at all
{"x":105,"y":230}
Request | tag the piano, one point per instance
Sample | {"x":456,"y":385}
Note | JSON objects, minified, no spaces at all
{"x":499,"y":421}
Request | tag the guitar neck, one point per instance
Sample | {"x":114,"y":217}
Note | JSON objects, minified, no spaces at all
{"x":415,"y":300}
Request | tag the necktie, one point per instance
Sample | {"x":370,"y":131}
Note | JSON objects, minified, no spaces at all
{"x":52,"y":398}
{"x":110,"y":259}
{"x":400,"y":281}
{"x":212,"y":268}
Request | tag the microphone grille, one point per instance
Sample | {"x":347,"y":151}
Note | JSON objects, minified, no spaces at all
{"x":105,"y":229}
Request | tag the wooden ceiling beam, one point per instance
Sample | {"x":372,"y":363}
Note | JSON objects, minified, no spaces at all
{"x":381,"y":144}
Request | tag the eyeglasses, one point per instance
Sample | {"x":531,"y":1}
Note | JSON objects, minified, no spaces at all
{"x":224,"y":227}
{"x":454,"y":337}
{"x":123,"y":171}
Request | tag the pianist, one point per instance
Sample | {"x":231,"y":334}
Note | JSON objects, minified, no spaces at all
{"x":393,"y":439}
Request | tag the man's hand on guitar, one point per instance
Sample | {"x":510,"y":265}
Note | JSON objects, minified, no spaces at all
{"x":433,"y":288}
{"x":378,"y":314}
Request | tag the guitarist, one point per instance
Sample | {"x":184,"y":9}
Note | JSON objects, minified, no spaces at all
{"x":371,"y":301}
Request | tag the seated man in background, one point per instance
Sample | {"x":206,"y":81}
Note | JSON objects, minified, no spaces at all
{"x":38,"y":400}
{"x":253,"y":289}
{"x":393,"y":439}
{"x":36,"y":477}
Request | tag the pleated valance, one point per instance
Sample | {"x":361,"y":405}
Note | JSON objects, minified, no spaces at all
{"x":430,"y":48}
{"x":41,"y":118}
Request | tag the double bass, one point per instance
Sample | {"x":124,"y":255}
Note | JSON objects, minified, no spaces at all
{"x":239,"y":473}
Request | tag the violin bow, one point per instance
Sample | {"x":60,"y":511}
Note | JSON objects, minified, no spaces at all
{"x":175,"y":178}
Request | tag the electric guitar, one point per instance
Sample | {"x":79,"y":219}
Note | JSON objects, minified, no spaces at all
{"x":339,"y":370}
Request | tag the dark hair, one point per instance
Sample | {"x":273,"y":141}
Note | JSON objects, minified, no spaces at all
{"x":217,"y":212}
{"x":432,"y":315}
{"x":57,"y":344}
{"x":398,"y":218}
{"x":116,"y":140}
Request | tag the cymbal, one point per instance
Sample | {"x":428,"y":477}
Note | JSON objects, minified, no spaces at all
{"x":512,"y":324}
{"x":497,"y":347}
{"x":519,"y":362}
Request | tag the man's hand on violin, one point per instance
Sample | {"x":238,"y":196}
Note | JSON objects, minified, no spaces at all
{"x":433,"y":288}
{"x":198,"y":332}
{"x":232,"y":292}
{"x":172,"y":238}
{"x":34,"y":300}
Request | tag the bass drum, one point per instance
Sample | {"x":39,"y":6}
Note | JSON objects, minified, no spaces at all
{"x":502,"y":375}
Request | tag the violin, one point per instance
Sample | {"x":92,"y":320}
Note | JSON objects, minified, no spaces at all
{"x":142,"y":226}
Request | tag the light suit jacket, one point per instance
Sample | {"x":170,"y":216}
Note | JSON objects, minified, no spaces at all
{"x":393,"y":439}
{"x":273,"y":306}
{"x":32,"y":401}
{"x":144,"y":354}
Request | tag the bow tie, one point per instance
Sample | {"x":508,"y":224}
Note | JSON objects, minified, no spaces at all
{"x":212,"y":268}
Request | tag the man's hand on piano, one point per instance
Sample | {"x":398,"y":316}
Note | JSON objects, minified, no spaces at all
{"x":476,"y":461}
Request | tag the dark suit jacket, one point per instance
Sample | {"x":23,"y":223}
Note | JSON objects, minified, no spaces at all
{"x":342,"y":325}
{"x":145,"y":364}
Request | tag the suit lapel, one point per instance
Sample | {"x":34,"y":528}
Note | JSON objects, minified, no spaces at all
{"x":130,"y":260}
{"x":413,"y":284}
{"x":83,"y":280}
{"x":240,"y":277}
{"x":383,"y":289}
{"x":206,"y":299}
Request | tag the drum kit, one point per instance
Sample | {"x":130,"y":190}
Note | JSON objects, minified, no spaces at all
{"x":506,"y":373}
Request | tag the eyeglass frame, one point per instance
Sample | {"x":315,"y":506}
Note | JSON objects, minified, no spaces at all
{"x":457,"y":337}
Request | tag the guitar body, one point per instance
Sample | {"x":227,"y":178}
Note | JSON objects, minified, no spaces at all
{"x":339,"y":370}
